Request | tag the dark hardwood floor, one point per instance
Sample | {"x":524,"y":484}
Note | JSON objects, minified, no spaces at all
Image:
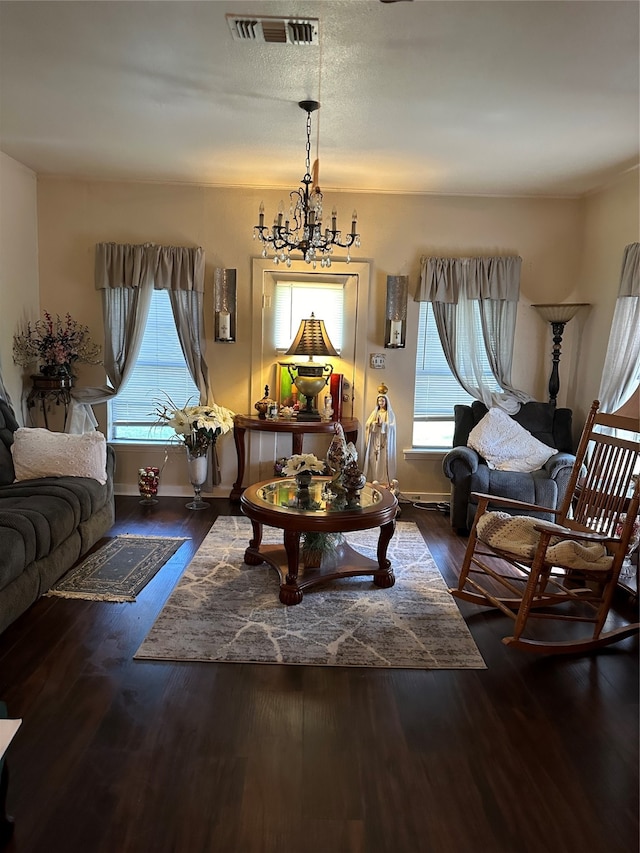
{"x":531,"y":755}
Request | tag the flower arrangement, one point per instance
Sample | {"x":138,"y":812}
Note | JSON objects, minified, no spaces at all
{"x":196,"y":426}
{"x":302,"y":462}
{"x":56,"y":344}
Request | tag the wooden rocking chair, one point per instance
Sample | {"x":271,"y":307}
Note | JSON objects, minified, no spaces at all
{"x":567,"y":570}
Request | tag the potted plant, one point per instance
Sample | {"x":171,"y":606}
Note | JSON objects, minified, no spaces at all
{"x":318,"y":546}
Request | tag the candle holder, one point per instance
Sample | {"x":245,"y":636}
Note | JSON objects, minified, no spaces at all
{"x":224,"y":299}
{"x":396,"y":311}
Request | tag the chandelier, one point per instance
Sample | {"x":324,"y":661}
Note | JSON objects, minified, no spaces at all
{"x":302,"y":231}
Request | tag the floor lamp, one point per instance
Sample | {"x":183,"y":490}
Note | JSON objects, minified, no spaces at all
{"x":558,"y":315}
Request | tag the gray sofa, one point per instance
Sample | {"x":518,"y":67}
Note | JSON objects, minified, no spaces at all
{"x":45,"y":525}
{"x":469,"y":472}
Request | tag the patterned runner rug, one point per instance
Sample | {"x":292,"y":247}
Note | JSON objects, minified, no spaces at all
{"x":118,"y":570}
{"x":224,"y":610}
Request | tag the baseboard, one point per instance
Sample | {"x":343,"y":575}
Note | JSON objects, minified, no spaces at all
{"x":424,"y":497}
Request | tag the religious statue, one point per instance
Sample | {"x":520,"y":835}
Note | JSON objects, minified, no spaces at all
{"x":380,"y":441}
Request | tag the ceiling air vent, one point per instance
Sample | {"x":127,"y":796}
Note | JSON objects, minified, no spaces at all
{"x":267,"y":30}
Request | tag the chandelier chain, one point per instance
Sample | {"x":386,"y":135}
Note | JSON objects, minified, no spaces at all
{"x":308,"y":160}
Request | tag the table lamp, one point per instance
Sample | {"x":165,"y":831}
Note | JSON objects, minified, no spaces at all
{"x":310,"y":378}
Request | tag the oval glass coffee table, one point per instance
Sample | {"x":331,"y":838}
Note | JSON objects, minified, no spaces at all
{"x":278,"y":503}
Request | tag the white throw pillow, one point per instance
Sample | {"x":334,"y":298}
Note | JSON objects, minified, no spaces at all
{"x":506,"y":445}
{"x":40,"y":453}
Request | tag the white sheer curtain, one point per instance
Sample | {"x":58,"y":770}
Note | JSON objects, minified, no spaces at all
{"x":621,"y":371}
{"x":454,"y":286}
{"x":126,"y":275}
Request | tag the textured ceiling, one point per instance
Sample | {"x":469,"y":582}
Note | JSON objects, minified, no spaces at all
{"x":425,"y":97}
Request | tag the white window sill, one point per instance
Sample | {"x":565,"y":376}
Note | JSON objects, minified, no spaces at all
{"x":126,"y":445}
{"x":414,"y":453}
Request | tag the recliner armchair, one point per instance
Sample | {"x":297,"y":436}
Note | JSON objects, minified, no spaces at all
{"x":469,"y":472}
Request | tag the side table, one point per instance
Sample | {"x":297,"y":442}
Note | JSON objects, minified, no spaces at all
{"x":46,"y":390}
{"x":297,"y":429}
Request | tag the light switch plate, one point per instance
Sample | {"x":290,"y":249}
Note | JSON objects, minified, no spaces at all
{"x":377,"y":360}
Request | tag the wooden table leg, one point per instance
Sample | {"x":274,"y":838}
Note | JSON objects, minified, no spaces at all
{"x":238,"y":437}
{"x":351,"y":436}
{"x":251,"y":555}
{"x":289,"y":591}
{"x":385,"y":578}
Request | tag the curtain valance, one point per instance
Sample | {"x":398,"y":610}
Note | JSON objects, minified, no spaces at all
{"x":444,"y":279}
{"x":162,"y":267}
{"x":630,"y":276}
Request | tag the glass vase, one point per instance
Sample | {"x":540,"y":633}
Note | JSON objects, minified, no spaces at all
{"x":198,"y":466}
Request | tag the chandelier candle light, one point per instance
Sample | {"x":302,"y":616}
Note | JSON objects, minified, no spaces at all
{"x":302,"y":231}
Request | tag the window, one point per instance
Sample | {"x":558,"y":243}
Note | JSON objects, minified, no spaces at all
{"x":160,"y":370}
{"x":294,"y":301}
{"x":436,"y":390}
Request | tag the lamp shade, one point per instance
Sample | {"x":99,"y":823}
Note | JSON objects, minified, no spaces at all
{"x":560,"y":312}
{"x":311,"y":339}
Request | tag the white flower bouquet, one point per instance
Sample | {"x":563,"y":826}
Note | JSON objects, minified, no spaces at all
{"x":196,"y":426}
{"x":302,"y":462}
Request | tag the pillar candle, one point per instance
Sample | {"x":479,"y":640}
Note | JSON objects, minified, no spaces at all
{"x":224,"y":326}
{"x":396,"y":332}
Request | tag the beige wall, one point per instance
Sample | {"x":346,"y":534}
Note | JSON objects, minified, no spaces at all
{"x":396,"y":232}
{"x":19,"y":298}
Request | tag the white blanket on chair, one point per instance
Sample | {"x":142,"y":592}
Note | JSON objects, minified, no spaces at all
{"x":516,"y":535}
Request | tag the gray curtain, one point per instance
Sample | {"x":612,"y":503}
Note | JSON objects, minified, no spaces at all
{"x":621,"y":371}
{"x":187,"y":308}
{"x":126,"y":275}
{"x":453,"y":286}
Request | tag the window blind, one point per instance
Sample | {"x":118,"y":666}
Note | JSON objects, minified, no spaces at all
{"x":295,"y":301}
{"x":160,"y":371}
{"x":436,"y":389}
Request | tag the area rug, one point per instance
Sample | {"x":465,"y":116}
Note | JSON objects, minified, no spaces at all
{"x":224,"y":610}
{"x":118,"y":570}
